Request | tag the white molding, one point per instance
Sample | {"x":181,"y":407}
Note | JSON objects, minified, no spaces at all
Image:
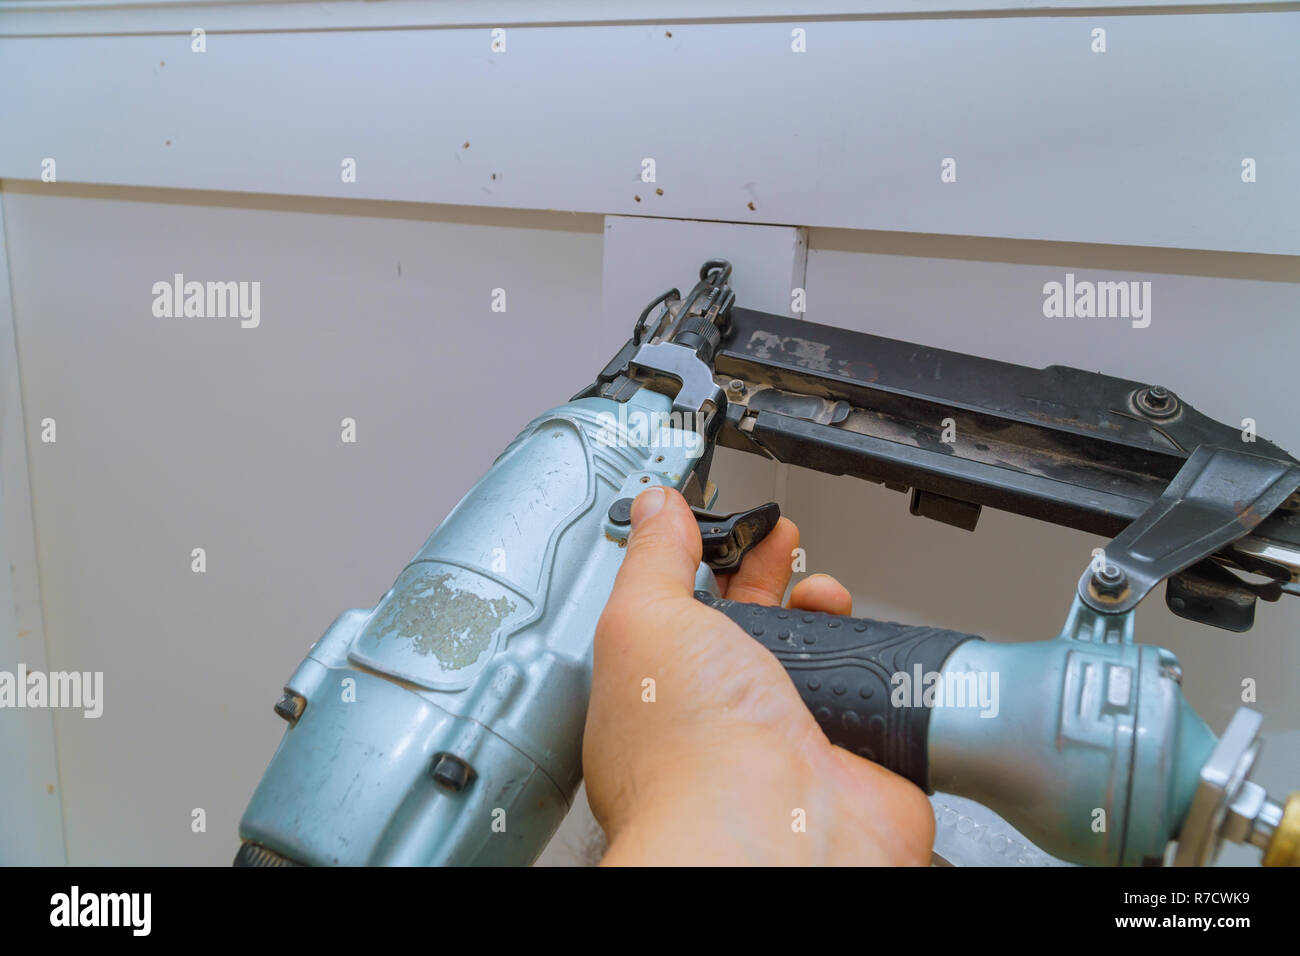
{"x":1140,"y":146}
{"x":123,"y":17}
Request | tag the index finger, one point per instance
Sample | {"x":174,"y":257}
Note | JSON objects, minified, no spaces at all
{"x":766,"y":570}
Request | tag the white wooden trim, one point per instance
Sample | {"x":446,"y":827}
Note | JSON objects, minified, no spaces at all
{"x":117,"y":17}
{"x":1139,"y":146}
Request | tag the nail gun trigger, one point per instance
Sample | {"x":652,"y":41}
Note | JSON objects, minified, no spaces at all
{"x":728,"y":538}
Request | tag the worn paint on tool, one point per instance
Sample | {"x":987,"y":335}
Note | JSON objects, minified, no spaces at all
{"x":453,"y":625}
{"x":807,"y":354}
{"x":812,"y":355}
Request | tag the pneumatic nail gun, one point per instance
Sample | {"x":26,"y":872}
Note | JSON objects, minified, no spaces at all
{"x":444,"y":726}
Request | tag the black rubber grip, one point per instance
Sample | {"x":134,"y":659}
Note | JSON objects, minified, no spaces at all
{"x":843,"y":668}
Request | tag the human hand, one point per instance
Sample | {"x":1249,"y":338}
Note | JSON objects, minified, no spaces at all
{"x":717,"y":768}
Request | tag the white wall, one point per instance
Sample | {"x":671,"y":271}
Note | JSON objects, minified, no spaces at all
{"x":177,"y":434}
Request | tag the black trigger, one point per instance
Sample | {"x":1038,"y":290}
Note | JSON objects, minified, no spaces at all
{"x":728,"y":538}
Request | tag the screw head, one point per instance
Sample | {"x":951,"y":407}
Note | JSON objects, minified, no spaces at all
{"x":1109,"y":581}
{"x":1156,"y":401}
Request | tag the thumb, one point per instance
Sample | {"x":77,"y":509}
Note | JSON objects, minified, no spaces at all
{"x":663,"y":550}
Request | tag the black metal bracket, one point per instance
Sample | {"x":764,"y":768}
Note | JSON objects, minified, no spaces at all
{"x":1218,"y":496}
